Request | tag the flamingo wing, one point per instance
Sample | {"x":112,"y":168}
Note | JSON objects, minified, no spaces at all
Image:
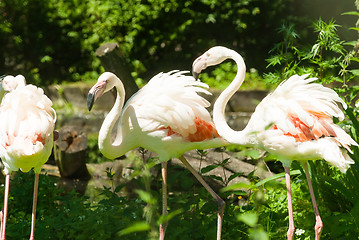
{"x":171,"y":103}
{"x":297,"y":121}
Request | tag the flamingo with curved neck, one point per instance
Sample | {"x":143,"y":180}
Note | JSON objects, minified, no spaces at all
{"x":167,"y":116}
{"x":295,"y":122}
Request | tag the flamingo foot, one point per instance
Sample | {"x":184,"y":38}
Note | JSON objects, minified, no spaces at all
{"x":291,"y":228}
{"x":221,"y":205}
{"x":290,"y":232}
{"x":163,"y":226}
{"x":318,"y":227}
{"x":162,"y":232}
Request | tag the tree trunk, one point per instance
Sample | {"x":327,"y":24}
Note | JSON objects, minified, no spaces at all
{"x":113,"y":60}
{"x":71,"y":152}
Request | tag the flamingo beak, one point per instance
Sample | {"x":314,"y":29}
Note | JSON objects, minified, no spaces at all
{"x":1,"y":79}
{"x":198,"y":65}
{"x":95,"y":92}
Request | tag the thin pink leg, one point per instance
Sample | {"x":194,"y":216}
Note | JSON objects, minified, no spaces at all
{"x":34,"y":203}
{"x":6,"y":202}
{"x":1,"y":221}
{"x":220,"y":202}
{"x":291,"y":228}
{"x":318,"y":221}
{"x":163,"y":226}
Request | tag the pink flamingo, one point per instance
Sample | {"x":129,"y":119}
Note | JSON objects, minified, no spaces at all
{"x":26,"y":136}
{"x":167,"y":116}
{"x":295,"y":122}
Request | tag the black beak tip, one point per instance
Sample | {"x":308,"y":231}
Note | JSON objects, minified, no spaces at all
{"x":2,"y":77}
{"x":195,"y":75}
{"x":90,"y":101}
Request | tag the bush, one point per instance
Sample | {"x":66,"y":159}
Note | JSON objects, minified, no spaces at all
{"x":54,"y":41}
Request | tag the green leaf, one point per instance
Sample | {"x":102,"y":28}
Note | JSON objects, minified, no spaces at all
{"x":351,"y":43}
{"x":274,"y":177}
{"x":355,"y":72}
{"x":169,"y":216}
{"x":136,"y":227}
{"x":216,"y":177}
{"x":208,"y":168}
{"x":146,"y":196}
{"x":233,"y":176}
{"x":225,"y":161}
{"x":119,"y":187}
{"x":237,"y":186}
{"x":354,"y":13}
{"x":251,"y":219}
{"x":252,"y":153}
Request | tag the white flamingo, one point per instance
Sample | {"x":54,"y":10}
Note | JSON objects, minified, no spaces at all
{"x":167,"y":116}
{"x":295,"y":122}
{"x":26,"y":136}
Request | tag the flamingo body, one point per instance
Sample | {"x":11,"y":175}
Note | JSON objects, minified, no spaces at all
{"x":26,"y":129}
{"x":167,"y":116}
{"x":295,"y":122}
{"x":27,"y":123}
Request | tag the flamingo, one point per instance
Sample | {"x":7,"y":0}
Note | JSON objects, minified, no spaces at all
{"x":295,"y":122}
{"x":167,"y":116}
{"x":27,"y":123}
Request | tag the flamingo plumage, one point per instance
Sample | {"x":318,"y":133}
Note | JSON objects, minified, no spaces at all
{"x":27,"y":122}
{"x":167,"y":116}
{"x":295,"y":122}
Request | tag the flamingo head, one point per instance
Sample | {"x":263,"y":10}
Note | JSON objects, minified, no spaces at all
{"x":105,"y":83}
{"x":213,"y":56}
{"x":10,"y":83}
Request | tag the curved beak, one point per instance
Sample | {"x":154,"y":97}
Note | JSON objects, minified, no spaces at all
{"x":95,"y":92}
{"x":198,"y":65}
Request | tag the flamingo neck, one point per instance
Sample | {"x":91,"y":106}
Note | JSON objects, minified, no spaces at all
{"x":232,"y":136}
{"x":105,"y":142}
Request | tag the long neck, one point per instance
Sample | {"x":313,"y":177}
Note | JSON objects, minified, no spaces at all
{"x":232,"y":136}
{"x":106,"y":145}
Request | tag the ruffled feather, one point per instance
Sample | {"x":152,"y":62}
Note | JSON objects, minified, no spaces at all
{"x":27,"y":121}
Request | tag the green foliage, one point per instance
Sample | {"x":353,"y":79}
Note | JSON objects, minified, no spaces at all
{"x":224,"y":73}
{"x":55,"y":41}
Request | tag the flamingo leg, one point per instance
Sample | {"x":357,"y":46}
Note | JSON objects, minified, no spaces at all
{"x":34,"y":203}
{"x":6,"y":202}
{"x":318,"y":221}
{"x":163,"y":226}
{"x":1,"y":221}
{"x":220,"y":202}
{"x":291,"y":227}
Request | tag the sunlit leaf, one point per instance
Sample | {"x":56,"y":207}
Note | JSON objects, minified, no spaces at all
{"x":251,"y":219}
{"x":136,"y":227}
{"x":236,"y":186}
{"x":274,"y":177}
